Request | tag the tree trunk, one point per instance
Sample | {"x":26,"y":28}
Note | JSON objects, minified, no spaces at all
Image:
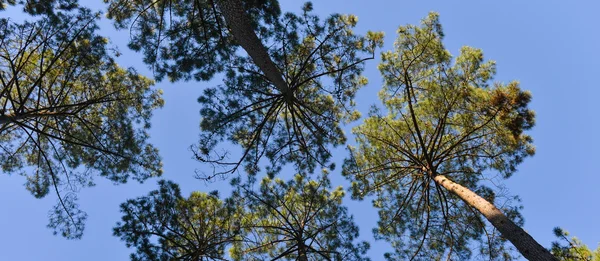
{"x":302,"y":252}
{"x":528,"y":247}
{"x":238,"y":22}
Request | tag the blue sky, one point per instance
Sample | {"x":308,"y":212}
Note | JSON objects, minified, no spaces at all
{"x":551,"y":47}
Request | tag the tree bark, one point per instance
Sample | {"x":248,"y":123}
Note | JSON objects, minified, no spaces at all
{"x":526,"y":245}
{"x":302,"y":252}
{"x":238,"y":22}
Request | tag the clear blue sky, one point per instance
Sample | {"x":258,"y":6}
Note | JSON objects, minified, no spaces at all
{"x":551,"y":47}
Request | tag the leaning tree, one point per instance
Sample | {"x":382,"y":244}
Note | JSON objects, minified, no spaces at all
{"x":285,"y":100}
{"x":322,"y":62}
{"x":448,"y":128}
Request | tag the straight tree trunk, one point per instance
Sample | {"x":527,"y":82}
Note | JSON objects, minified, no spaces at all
{"x":302,"y":252}
{"x":526,"y":245}
{"x":238,"y":22}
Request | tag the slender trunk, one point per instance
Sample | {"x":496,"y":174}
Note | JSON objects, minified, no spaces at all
{"x":238,"y":22}
{"x":302,"y":252}
{"x":528,"y":247}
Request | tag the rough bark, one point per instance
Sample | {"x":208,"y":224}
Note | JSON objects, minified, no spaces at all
{"x":241,"y":28}
{"x":302,"y":252}
{"x":526,"y":245}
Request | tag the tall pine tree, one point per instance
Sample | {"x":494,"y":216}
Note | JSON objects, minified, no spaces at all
{"x":68,"y":112}
{"x":447,"y":127}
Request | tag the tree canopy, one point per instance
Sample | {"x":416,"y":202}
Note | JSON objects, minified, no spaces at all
{"x":186,"y":39}
{"x":573,"y":249}
{"x":296,"y":220}
{"x":166,"y":226}
{"x":275,"y":102}
{"x":70,"y":113}
{"x":249,"y":110}
{"x":300,"y":219}
{"x":278,"y":88}
{"x":446,"y":124}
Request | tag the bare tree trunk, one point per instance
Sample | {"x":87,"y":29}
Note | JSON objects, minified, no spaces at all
{"x":302,"y":252}
{"x":238,"y":22}
{"x":526,"y":245}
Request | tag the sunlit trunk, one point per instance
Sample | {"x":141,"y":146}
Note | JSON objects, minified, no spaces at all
{"x":526,"y":245}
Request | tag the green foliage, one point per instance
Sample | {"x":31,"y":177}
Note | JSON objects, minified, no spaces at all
{"x":289,"y":128}
{"x":296,"y":220}
{"x":573,"y":250}
{"x":166,"y":226}
{"x":274,"y":223}
{"x":189,"y":39}
{"x":69,"y":112}
{"x":444,"y":118}
{"x":185,"y":39}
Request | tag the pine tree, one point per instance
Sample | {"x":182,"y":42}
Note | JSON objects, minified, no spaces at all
{"x":296,"y":220}
{"x":69,"y":112}
{"x":276,"y":102}
{"x":166,"y":226}
{"x":300,"y":219}
{"x":574,"y":249}
{"x":425,"y":161}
